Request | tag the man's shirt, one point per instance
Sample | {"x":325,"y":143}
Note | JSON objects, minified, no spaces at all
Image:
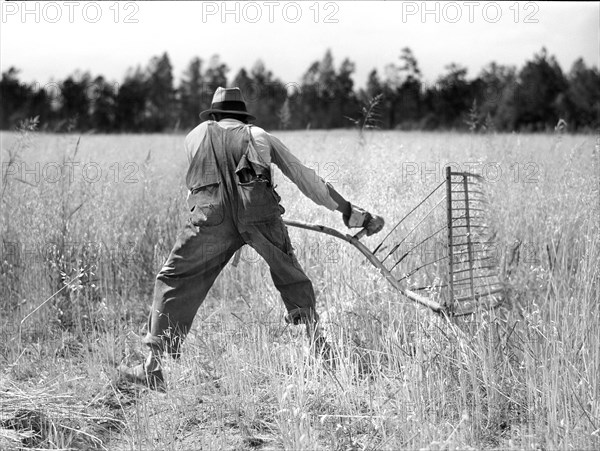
{"x":272,"y":150}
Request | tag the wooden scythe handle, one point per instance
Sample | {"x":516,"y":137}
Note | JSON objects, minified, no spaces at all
{"x":355,"y":241}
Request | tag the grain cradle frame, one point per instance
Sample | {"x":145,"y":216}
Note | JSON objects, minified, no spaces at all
{"x":473,"y":281}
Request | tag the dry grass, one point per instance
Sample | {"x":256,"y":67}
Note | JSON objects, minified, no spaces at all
{"x":523,"y":377}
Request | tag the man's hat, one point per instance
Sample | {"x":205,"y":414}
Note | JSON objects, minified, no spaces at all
{"x":227,"y":100}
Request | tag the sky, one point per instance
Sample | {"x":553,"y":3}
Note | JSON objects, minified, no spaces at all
{"x":50,"y":40}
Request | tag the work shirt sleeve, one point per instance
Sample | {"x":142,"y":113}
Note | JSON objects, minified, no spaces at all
{"x":306,"y":179}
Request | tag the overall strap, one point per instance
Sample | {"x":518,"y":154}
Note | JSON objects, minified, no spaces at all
{"x":228,"y":147}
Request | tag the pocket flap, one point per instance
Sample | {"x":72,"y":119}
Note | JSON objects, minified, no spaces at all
{"x":256,"y":160}
{"x":248,"y":169}
{"x":203,"y":195}
{"x":208,"y":180}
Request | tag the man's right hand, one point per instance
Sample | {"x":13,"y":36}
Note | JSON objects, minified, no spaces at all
{"x":359,"y":218}
{"x":374,"y":225}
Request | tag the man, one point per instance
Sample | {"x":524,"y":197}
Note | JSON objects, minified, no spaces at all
{"x":233,"y":203}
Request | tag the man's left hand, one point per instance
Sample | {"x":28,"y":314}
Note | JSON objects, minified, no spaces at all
{"x":361,"y":218}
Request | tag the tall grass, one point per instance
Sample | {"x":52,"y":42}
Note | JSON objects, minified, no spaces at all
{"x":522,"y":377}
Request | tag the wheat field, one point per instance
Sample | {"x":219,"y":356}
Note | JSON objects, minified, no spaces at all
{"x":87,"y":221}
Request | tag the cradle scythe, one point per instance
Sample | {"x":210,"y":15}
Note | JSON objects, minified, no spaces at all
{"x":471,"y":281}
{"x":354,"y":240}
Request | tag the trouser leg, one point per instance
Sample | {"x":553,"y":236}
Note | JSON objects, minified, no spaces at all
{"x":182,"y":284}
{"x":271,"y":241}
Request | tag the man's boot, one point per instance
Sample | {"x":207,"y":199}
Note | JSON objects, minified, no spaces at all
{"x":148,"y":373}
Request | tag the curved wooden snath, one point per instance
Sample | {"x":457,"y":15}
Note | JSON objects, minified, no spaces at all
{"x":355,"y":241}
{"x":472,"y":280}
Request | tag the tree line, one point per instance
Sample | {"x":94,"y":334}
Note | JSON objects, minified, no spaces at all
{"x":533,"y":98}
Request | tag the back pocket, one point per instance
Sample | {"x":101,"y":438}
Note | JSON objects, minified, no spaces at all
{"x":257,"y":202}
{"x":206,"y":205}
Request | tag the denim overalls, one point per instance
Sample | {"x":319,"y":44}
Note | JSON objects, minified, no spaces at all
{"x":232,"y":203}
